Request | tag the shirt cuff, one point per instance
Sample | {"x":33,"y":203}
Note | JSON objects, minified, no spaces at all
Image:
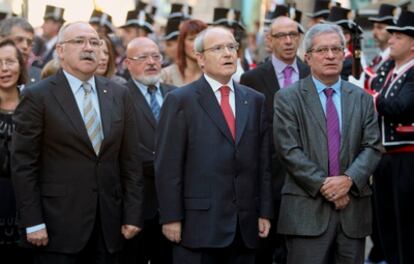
{"x":35,"y":228}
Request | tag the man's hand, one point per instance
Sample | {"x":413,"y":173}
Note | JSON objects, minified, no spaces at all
{"x":264,"y":227}
{"x":336,"y":187}
{"x":342,"y":202}
{"x":38,"y":238}
{"x":172,"y":231}
{"x":129,"y":231}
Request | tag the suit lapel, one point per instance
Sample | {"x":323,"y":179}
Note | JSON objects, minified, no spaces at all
{"x":105,"y":97}
{"x":311,"y":98}
{"x":242,"y":105}
{"x":270,"y":78}
{"x":346,"y":100}
{"x":303,"y":69}
{"x":64,"y":96}
{"x":141,"y":103}
{"x":208,"y":102}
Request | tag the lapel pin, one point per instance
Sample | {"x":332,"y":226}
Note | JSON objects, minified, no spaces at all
{"x":245,"y":102}
{"x":104,"y":91}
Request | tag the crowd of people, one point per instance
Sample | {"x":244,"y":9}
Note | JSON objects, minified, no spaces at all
{"x":118,"y":145}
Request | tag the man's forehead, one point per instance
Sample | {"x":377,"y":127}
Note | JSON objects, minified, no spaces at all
{"x":218,"y":36}
{"x":80,"y":30}
{"x":329,"y":38}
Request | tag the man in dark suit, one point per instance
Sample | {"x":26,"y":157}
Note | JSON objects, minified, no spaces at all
{"x":144,"y":64}
{"x":75,"y":163}
{"x":212,"y":177}
{"x":268,"y":78}
{"x":326,"y":134}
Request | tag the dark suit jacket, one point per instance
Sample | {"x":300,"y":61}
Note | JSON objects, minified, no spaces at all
{"x":146,"y":127}
{"x":60,"y":181}
{"x":301,"y":139}
{"x":204,"y":178}
{"x":263,"y":79}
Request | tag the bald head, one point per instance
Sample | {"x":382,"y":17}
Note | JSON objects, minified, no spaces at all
{"x":144,"y":60}
{"x":283,"y":22}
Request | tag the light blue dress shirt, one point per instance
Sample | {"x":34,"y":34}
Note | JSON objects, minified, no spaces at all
{"x":144,"y":90}
{"x":280,"y":66}
{"x":336,"y":97}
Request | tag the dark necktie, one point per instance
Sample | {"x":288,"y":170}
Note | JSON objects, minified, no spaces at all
{"x":227,"y":112}
{"x":155,"y":106}
{"x":334,"y":133}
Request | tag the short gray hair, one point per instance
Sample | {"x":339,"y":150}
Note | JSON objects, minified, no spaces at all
{"x":319,"y":29}
{"x":8,"y":24}
{"x":64,"y":27}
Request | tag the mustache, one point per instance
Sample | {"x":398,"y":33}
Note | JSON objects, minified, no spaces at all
{"x":151,"y":68}
{"x":88,"y":56}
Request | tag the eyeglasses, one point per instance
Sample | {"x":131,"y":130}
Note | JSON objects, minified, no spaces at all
{"x":81,"y":42}
{"x":144,"y":57}
{"x":18,"y":40}
{"x":8,"y":63}
{"x":325,"y":50}
{"x":219,"y":49}
{"x":284,"y":35}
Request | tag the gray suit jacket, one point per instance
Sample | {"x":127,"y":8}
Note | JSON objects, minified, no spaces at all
{"x":301,"y":140}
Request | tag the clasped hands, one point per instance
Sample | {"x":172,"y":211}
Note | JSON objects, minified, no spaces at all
{"x":335,"y":189}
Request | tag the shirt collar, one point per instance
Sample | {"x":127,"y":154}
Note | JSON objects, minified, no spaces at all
{"x":385,"y":54}
{"x":321,"y":86}
{"x":215,"y":85}
{"x":280,"y":65}
{"x":75,"y":83}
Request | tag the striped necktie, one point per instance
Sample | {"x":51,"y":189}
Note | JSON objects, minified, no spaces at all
{"x":155,"y":106}
{"x":91,"y":119}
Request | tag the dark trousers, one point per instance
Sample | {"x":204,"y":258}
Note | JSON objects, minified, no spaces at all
{"x":393,"y":190}
{"x":149,"y":245}
{"x":236,"y":253}
{"x":94,"y":252}
{"x":333,"y":246}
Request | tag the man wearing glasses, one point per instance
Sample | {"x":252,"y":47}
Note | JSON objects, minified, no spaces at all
{"x":282,"y":70}
{"x":75,"y":163}
{"x":144,"y":64}
{"x":326,"y":133}
{"x":212,"y":162}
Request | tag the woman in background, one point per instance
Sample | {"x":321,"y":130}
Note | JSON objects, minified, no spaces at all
{"x":106,"y":65}
{"x":186,"y":69}
{"x":12,"y":75}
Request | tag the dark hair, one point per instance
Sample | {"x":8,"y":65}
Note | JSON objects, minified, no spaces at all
{"x":189,"y":27}
{"x":22,"y":67}
{"x":110,"y":70}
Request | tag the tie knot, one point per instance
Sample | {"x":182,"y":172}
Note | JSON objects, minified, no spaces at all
{"x":86,"y":87}
{"x":152,"y":89}
{"x":287,"y":72}
{"x":328,"y":92}
{"x":225,"y":90}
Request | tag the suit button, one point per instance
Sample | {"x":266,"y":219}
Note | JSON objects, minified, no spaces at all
{"x":391,"y":137}
{"x":391,"y":124}
{"x":153,"y":153}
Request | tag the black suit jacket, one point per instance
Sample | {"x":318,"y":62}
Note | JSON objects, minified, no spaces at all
{"x":147,"y":126}
{"x":264,"y":80}
{"x":60,"y":181}
{"x":206,"y":180}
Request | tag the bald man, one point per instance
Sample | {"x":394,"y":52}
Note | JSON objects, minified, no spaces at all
{"x":75,"y":159}
{"x":144,"y":64}
{"x":283,"y":69}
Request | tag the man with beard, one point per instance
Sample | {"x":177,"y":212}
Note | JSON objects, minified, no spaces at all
{"x":75,"y":163}
{"x":144,"y":64}
{"x":212,"y":162}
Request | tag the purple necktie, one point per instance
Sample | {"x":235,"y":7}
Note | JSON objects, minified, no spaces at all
{"x":334,"y":134}
{"x":287,"y":75}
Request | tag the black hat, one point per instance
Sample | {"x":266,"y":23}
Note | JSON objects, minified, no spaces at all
{"x":183,"y":11}
{"x":227,"y":17}
{"x":387,"y":15}
{"x":405,"y":24}
{"x":343,"y":17}
{"x":102,"y":19}
{"x":172,"y":29}
{"x":279,"y":10}
{"x":139,"y":19}
{"x":321,"y":8}
{"x":55,"y":13}
{"x":5,"y":15}
{"x":147,"y":8}
{"x":296,"y":15}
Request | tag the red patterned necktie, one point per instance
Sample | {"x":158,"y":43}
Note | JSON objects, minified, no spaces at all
{"x":227,"y":112}
{"x":334,"y":133}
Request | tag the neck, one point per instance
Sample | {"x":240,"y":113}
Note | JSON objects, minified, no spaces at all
{"x":403,"y":60}
{"x":286,"y":61}
{"x":9,"y":98}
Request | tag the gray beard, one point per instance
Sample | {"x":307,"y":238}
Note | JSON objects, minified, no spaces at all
{"x":151,"y":80}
